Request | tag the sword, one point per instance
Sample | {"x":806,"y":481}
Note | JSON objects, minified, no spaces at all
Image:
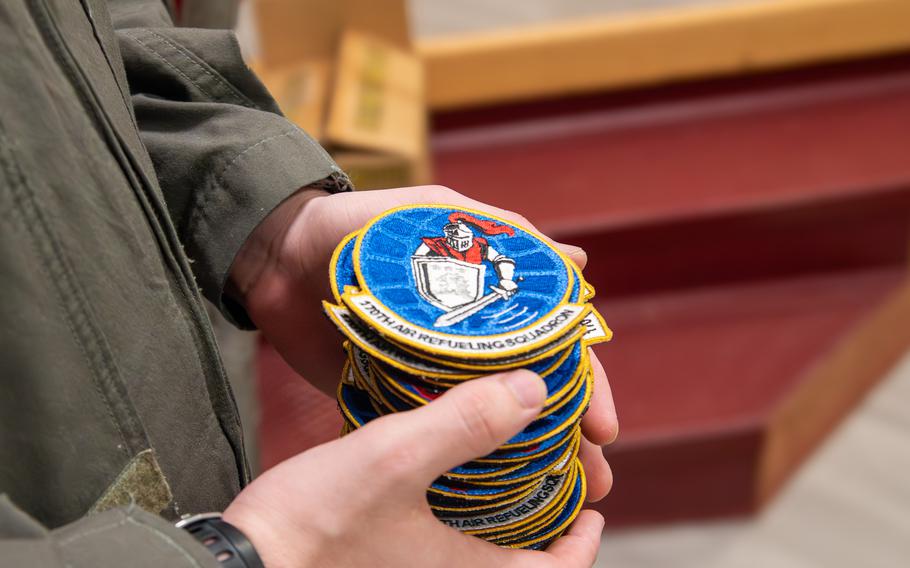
{"x":467,"y":310}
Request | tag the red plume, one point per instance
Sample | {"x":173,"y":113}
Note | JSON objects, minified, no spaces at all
{"x":486,"y":227}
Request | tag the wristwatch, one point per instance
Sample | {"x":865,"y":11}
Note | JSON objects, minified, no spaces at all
{"x":231,"y":548}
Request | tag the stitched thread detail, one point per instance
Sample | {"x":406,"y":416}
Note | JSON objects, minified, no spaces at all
{"x":232,"y":94}
{"x":202,"y":66}
{"x":47,"y":251}
{"x":142,"y":481}
{"x":87,"y":533}
{"x":172,"y":66}
{"x":126,"y":517}
{"x":204,"y":196}
{"x":336,"y":182}
{"x":219,"y":178}
{"x":164,"y":537}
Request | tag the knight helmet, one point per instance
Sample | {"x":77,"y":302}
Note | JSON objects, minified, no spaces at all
{"x":458,"y":236}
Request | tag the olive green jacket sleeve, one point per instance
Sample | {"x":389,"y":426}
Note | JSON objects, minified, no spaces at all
{"x":120,"y":537}
{"x":223,"y":153}
{"x":224,"y":157}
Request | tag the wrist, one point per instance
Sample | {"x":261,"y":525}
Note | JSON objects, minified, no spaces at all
{"x":227,"y":543}
{"x":263,"y":246}
{"x":262,"y":534}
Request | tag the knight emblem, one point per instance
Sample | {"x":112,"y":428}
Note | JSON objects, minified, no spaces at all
{"x":450,"y":269}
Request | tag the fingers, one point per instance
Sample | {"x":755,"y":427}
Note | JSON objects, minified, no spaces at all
{"x":469,"y":421}
{"x":446,"y":195}
{"x":600,"y":424}
{"x":599,"y":427}
{"x":578,"y":548}
{"x":597,"y":471}
{"x":575,"y":549}
{"x":362,"y":206}
{"x":576,"y":254}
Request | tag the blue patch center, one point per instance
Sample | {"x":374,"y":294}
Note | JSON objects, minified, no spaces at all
{"x":421,"y":265}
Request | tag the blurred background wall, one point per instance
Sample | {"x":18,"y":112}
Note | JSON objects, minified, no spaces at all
{"x":434,"y":18}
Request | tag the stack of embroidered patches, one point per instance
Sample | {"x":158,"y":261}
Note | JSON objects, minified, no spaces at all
{"x":431,"y":296}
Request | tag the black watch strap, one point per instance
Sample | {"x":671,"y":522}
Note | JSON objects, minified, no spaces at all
{"x":229,"y":546}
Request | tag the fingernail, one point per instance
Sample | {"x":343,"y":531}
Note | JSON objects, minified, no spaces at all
{"x":572,"y":250}
{"x":577,"y":254}
{"x":529,"y":389}
{"x":614,"y":435}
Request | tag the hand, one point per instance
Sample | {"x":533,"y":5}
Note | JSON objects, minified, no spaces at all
{"x":360,"y":501}
{"x":281,"y":275}
{"x":508,"y":285}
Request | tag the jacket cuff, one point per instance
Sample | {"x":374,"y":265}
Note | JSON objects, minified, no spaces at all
{"x":126,"y":536}
{"x":256,"y":181}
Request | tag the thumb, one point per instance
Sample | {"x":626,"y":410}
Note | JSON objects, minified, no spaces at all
{"x":467,"y":422}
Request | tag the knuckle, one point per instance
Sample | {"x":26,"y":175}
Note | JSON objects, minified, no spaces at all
{"x":397,"y":463}
{"x":529,"y":559}
{"x":519,"y":219}
{"x":608,"y":477}
{"x":475,"y":419}
{"x":391,"y":458}
{"x":441,"y":192}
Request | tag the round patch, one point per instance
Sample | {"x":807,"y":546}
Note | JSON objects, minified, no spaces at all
{"x":537,"y":467}
{"x":555,"y":423}
{"x":341,"y":266}
{"x":556,"y":527}
{"x":461,"y":283}
{"x":528,"y":452}
{"x":523,"y":513}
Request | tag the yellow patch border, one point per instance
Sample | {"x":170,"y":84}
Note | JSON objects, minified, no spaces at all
{"x":547,"y":350}
{"x":329,"y":309}
{"x":464,"y":497}
{"x":472,"y":478}
{"x":566,"y":457}
{"x":569,"y":520}
{"x":333,"y":263}
{"x":588,"y":291}
{"x":582,"y":408}
{"x":608,"y":333}
{"x":529,"y":457}
{"x":552,"y":512}
{"x":525,"y":525}
{"x":486,"y":505}
{"x":461,"y":360}
{"x":367,"y":384}
{"x":567,"y":263}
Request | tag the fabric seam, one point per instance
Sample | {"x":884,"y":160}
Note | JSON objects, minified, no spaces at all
{"x":126,"y":517}
{"x":205,"y":195}
{"x":216,"y":77}
{"x":93,"y":531}
{"x":179,"y":71}
{"x":17,"y":180}
{"x":164,"y":537}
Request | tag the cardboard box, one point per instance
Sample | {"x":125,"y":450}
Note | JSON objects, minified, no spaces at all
{"x":370,"y":170}
{"x":295,"y":30}
{"x":346,"y":73}
{"x":377,"y":101}
{"x":302,"y":91}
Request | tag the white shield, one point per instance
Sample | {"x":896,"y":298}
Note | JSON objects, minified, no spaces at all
{"x":448,"y":283}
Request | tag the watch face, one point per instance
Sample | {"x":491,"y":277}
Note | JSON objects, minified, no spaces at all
{"x":187,"y":520}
